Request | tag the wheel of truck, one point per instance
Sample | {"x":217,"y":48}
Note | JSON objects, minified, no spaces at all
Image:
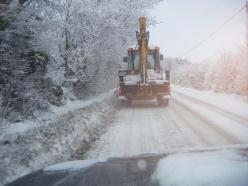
{"x":122,"y":102}
{"x":166,"y":102}
{"x":160,"y":100}
{"x":129,"y":101}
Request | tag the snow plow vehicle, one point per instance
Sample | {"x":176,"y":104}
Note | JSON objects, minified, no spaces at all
{"x":144,"y":77}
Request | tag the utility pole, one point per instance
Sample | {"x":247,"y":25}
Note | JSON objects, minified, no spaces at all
{"x":246,"y":10}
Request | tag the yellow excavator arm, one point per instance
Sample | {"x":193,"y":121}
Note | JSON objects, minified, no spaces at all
{"x":142,"y":38}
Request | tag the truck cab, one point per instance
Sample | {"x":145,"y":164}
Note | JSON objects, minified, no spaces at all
{"x":153,"y":59}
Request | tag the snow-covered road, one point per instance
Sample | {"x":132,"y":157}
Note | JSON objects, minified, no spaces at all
{"x":188,"y":122}
{"x":194,"y":120}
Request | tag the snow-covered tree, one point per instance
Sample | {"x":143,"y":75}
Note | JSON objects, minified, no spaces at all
{"x":70,"y":48}
{"x":228,"y":74}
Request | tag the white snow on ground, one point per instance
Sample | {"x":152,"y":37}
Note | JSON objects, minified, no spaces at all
{"x":72,"y":166}
{"x":70,"y":129}
{"x":222,"y":168}
{"x":47,"y":117}
{"x":190,"y":121}
{"x":228,"y":102}
{"x":186,"y":123}
{"x":237,"y":127}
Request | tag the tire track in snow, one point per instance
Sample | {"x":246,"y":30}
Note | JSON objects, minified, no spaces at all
{"x":240,"y":119}
{"x":145,"y":128}
{"x":209,"y":126}
{"x":233,"y":130}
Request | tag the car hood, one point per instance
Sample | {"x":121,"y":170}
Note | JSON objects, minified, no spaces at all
{"x":225,"y":166}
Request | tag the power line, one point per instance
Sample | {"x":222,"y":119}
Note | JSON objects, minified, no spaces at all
{"x":214,"y":32}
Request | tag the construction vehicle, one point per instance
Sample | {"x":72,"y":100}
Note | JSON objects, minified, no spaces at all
{"x":144,"y":77}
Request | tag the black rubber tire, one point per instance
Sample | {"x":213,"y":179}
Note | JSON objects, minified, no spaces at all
{"x":122,"y":103}
{"x":166,"y":102}
{"x":129,"y":102}
{"x":163,"y":102}
{"x":160,"y":100}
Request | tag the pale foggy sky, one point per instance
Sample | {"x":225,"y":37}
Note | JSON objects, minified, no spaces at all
{"x":184,"y":23}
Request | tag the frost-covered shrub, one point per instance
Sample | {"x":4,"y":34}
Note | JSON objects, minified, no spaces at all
{"x":228,"y":74}
{"x":23,"y":86}
{"x":86,"y":39}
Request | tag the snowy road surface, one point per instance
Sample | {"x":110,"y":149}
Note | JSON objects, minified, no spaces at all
{"x":188,"y":122}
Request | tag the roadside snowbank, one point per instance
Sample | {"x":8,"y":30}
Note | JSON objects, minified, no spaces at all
{"x":44,"y":118}
{"x":227,"y":113}
{"x":58,"y":136}
{"x":229,"y":102}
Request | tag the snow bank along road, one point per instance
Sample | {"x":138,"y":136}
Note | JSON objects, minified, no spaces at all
{"x":193,"y":119}
{"x":29,"y":146}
